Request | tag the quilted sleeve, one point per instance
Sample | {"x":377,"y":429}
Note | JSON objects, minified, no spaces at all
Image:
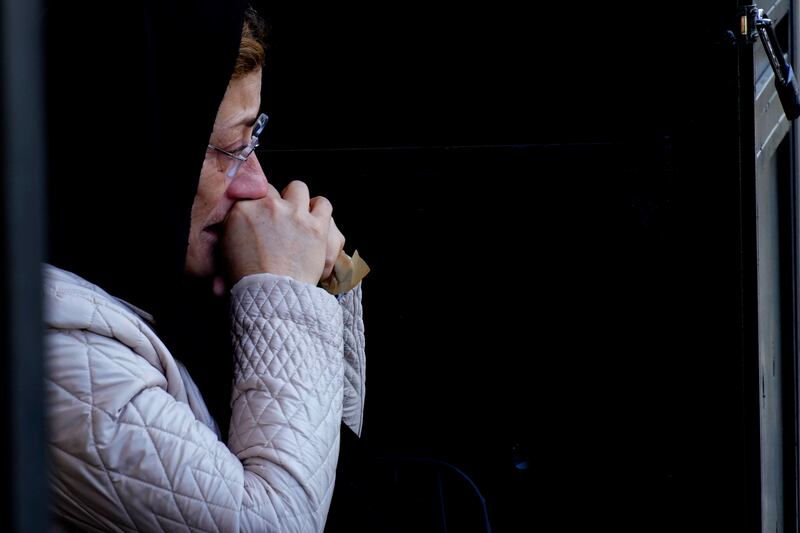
{"x":127,"y":456}
{"x":354,"y":360}
{"x":287,"y":400}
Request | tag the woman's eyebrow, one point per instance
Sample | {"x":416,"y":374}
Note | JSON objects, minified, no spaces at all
{"x":247,"y":121}
{"x":231,"y":130}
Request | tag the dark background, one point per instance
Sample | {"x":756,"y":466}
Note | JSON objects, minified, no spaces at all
{"x":553,"y":203}
{"x":550,"y":200}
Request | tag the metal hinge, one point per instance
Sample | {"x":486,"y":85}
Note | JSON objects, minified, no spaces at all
{"x":754,"y":24}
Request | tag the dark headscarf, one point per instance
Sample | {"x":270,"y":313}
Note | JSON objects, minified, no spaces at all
{"x":132,"y":92}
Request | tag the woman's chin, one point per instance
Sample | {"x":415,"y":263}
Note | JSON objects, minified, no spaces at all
{"x":218,"y":286}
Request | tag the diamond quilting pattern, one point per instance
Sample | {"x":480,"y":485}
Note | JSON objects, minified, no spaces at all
{"x":285,"y":395}
{"x":143,"y":461}
{"x":354,"y":360}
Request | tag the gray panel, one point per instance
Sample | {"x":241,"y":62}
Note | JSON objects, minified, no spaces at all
{"x":769,"y":346}
{"x":771,"y":129}
{"x":777,"y":9}
{"x":771,"y":123}
{"x":776,"y":12}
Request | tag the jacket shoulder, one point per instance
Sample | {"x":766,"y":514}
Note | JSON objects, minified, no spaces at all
{"x":84,"y":321}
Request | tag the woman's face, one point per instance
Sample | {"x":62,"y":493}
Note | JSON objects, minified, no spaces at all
{"x":216,"y":192}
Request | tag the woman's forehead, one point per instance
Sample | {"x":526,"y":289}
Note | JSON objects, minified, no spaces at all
{"x":240,"y":106}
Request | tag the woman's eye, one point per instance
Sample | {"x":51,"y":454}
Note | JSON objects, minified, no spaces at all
{"x":237,"y":149}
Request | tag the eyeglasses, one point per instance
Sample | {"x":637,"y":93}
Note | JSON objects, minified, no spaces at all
{"x":240,"y":156}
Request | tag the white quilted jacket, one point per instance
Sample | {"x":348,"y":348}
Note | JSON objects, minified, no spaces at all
{"x":132,"y":445}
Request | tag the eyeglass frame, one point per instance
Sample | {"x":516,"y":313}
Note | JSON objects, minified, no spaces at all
{"x":244,"y":153}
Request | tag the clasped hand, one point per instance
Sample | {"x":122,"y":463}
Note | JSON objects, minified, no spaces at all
{"x":287,"y":233}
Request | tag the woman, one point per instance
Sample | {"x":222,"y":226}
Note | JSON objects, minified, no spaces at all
{"x":133,"y":445}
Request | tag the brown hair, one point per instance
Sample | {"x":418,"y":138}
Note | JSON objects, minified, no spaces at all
{"x":252,"y":50}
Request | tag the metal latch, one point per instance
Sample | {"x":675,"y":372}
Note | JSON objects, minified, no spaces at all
{"x":755,"y":24}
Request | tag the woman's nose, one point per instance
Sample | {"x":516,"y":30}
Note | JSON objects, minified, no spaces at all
{"x":250,"y":181}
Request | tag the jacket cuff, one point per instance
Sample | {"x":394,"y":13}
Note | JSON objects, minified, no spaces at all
{"x":354,"y":360}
